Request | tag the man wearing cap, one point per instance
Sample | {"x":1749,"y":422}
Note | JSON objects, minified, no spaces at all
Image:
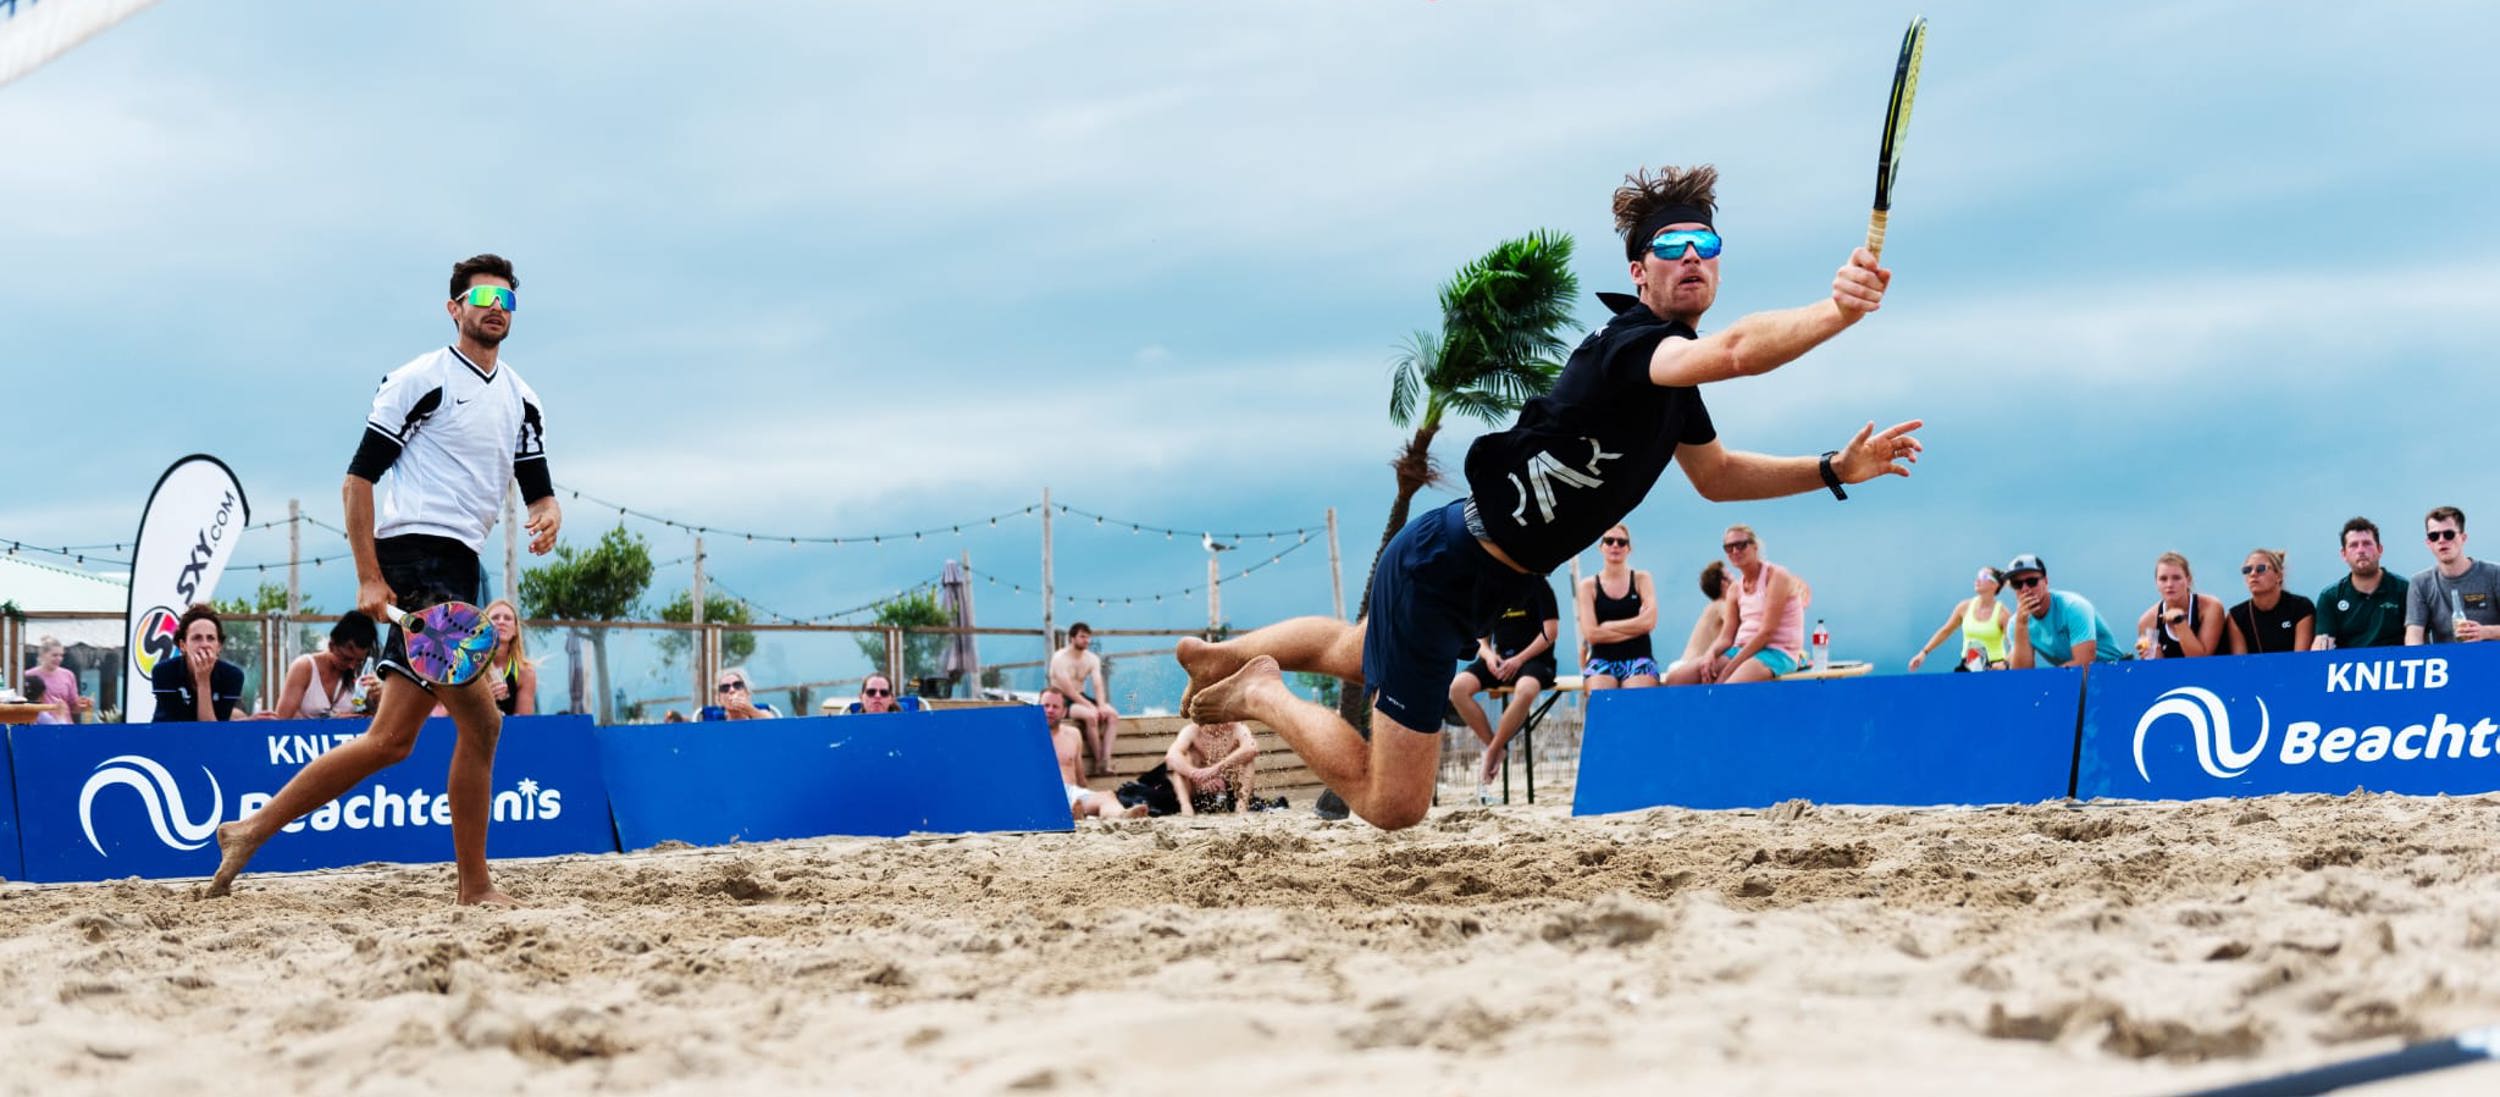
{"x":1578,"y":460}
{"x":2060,"y":627}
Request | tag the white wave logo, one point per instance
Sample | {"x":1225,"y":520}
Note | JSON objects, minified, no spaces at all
{"x":162,"y":796}
{"x":2211,"y":724}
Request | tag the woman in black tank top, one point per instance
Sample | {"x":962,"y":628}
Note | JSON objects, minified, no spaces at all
{"x":1617,"y":607}
{"x":2182,"y":623}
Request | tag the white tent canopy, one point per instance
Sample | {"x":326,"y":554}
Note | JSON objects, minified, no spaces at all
{"x":39,"y":589}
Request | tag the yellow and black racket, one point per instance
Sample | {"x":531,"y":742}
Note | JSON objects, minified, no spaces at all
{"x":1896,"y":127}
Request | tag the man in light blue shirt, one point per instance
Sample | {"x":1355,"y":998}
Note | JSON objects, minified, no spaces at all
{"x":2060,"y":628}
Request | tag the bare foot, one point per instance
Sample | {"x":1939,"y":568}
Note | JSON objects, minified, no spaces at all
{"x":1204,"y":663}
{"x":1134,"y":811}
{"x":489,"y":898}
{"x":235,"y":847}
{"x":1229,"y":700}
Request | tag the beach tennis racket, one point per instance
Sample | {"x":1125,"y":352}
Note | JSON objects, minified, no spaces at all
{"x":1896,"y":127}
{"x":448,"y":643}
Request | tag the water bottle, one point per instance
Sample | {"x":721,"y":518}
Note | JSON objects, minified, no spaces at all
{"x":1974,"y":658}
{"x":1822,"y":646}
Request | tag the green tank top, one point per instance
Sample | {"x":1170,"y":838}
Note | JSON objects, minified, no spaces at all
{"x":1984,"y":633}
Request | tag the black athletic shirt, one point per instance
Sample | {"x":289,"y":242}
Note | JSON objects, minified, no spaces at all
{"x":1524,"y":619}
{"x":2272,"y":631}
{"x":1606,"y":608}
{"x":1582,"y":456}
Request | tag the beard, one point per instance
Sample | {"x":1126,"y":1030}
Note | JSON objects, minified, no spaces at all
{"x":478,"y":333}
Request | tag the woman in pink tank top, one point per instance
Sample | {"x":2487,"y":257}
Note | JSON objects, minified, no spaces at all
{"x":1765,"y":633}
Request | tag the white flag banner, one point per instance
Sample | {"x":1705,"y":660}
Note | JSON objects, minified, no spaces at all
{"x":35,"y":31}
{"x":186,"y":535}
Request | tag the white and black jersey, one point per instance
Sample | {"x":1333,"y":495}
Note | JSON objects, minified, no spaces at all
{"x":450,"y":435}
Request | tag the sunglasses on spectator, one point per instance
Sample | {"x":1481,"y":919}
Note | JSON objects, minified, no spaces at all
{"x":2443,"y":535}
{"x":2255,"y":569}
{"x":2025,"y":582}
{"x":490,"y":297}
{"x":1670,"y":245}
{"x":876,"y":693}
{"x":1615,"y":542}
{"x":727,"y":687}
{"x":1738,"y":546}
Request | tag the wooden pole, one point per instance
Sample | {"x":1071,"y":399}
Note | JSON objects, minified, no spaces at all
{"x":294,"y":575}
{"x":1336,"y":570}
{"x":512,"y":542}
{"x":1050,"y":636}
{"x":702,"y":651}
{"x":1215,"y":594}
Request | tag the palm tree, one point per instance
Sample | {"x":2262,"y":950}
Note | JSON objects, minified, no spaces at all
{"x":1500,"y":345}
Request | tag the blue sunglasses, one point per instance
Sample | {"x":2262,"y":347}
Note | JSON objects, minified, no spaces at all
{"x":1670,"y":245}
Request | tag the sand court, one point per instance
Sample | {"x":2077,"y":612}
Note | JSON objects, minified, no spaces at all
{"x":2127,"y":949}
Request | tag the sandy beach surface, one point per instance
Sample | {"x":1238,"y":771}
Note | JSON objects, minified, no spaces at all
{"x":2100,"y":949}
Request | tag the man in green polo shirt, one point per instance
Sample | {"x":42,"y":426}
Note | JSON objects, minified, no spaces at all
{"x":2366,"y":608}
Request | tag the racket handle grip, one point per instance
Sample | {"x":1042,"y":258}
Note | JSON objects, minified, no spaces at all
{"x":1875,"y":232}
{"x":402,"y":618}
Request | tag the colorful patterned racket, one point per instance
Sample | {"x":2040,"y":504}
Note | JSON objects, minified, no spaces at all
{"x":448,"y":643}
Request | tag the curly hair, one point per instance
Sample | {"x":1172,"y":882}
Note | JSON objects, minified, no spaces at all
{"x":1645,"y":192}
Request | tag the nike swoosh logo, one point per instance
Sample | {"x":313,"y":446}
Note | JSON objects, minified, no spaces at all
{"x":458,"y":402}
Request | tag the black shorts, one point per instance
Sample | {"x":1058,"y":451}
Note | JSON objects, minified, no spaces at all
{"x":423,"y":570}
{"x":1540,"y":668}
{"x":1434,"y":592}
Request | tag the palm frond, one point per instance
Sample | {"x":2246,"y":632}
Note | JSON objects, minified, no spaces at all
{"x":1408,"y":375}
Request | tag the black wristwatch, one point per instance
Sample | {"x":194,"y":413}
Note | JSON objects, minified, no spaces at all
{"x":1831,"y":479}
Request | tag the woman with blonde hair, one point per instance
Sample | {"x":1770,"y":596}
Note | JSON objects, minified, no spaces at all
{"x":509,"y":673}
{"x":1981,"y":620}
{"x":2270,"y":620}
{"x":2182,"y":623}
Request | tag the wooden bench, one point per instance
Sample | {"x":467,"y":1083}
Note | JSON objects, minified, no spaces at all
{"x":1525,"y":741}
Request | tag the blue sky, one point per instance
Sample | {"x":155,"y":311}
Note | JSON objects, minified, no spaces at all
{"x":2194,"y":276}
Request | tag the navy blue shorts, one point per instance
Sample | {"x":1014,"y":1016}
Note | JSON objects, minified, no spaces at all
{"x":1435,"y":592}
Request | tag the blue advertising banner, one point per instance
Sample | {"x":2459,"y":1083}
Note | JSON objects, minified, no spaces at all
{"x":12,"y":867}
{"x":106,"y":801}
{"x":1995,"y":738}
{"x":755,"y":780}
{"x":2416,"y":720}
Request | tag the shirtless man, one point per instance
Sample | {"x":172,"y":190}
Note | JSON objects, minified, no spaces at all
{"x":1213,"y":760}
{"x":1064,"y":740}
{"x":1076,"y":672}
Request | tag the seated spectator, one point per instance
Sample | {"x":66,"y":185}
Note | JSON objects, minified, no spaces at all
{"x":1519,"y":653}
{"x":876,"y":695}
{"x":1076,"y":672}
{"x":1981,"y":619}
{"x":36,"y":693}
{"x":2365,"y":608}
{"x":2059,"y":628}
{"x":737,"y":697}
{"x":674,"y":716}
{"x":195,"y":685}
{"x":1713,"y":615}
{"x":1764,"y":634}
{"x":59,"y":683}
{"x":510,"y":676}
{"x":1213,"y":767}
{"x":2182,"y":623}
{"x":2270,"y":620}
{"x":1616,"y":609}
{"x":2458,"y":599}
{"x":1065,"y":740}
{"x":331,"y":682}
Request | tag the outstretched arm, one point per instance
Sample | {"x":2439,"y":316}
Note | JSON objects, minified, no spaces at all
{"x":1765,"y":341}
{"x":1723,"y":475}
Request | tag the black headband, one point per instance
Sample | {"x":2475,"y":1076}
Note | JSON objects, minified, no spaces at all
{"x":1638,"y":242}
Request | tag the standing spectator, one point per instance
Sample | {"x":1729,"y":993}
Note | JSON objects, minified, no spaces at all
{"x":510,"y":675}
{"x":1764,"y":635}
{"x":197,"y":685}
{"x":1076,"y":672}
{"x":330,"y":682}
{"x":1214,"y":766}
{"x":2458,"y":599}
{"x":2365,"y":608}
{"x":1616,"y":609}
{"x":2270,"y":620}
{"x":59,"y":684}
{"x":876,"y":695}
{"x":1981,"y":619}
{"x":1713,"y":615}
{"x":1065,"y":741}
{"x":2182,"y":622}
{"x":1520,"y":654}
{"x":36,"y":692}
{"x":2059,"y":628}
{"x":737,"y":697}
